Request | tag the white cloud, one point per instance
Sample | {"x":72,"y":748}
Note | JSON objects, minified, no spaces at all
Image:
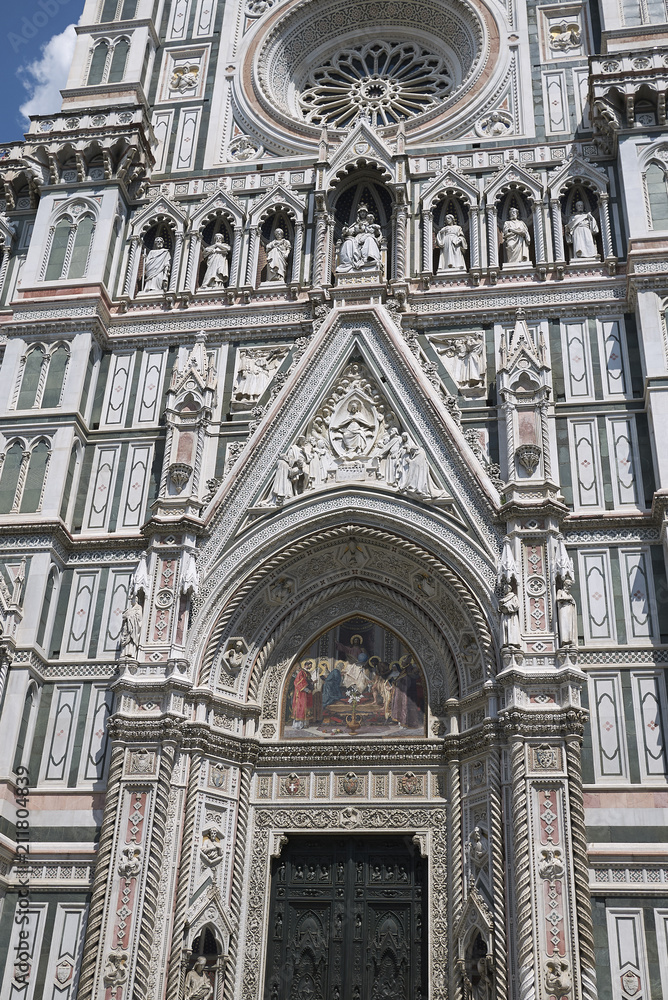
{"x":45,"y":77}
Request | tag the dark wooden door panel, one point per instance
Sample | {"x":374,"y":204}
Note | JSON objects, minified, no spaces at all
{"x":346,"y":920}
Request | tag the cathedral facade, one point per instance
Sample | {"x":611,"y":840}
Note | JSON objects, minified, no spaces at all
{"x":333,"y":506}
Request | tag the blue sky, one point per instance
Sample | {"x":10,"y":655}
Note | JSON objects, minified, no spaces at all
{"x":36,"y":47}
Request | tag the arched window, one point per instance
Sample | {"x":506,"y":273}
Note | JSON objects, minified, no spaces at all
{"x":34,"y":483}
{"x":113,"y":10}
{"x":70,"y":248}
{"x":657,"y":192}
{"x":59,"y":242}
{"x":118,"y":61}
{"x":9,"y":478}
{"x":30,"y":381}
{"x":98,"y":64}
{"x":55,"y":377}
{"x":81,"y":248}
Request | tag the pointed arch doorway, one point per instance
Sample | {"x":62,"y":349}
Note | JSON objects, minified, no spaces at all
{"x":347,"y":920}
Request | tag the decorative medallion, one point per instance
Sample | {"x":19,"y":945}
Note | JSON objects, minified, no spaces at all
{"x":409,"y":784}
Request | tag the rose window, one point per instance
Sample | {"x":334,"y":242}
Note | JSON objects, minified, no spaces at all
{"x":385,"y":82}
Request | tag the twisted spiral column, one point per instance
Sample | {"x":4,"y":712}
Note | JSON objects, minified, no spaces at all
{"x":581,"y":869}
{"x":523,"y":909}
{"x":130,"y":270}
{"x":155,"y":859}
{"x":456,"y":887}
{"x":238,"y":880}
{"x":557,"y":231}
{"x":175,"y":975}
{"x":319,"y":255}
{"x":498,"y":873}
{"x":400,"y":234}
{"x":492,"y":238}
{"x":87,"y":979}
{"x":427,"y":241}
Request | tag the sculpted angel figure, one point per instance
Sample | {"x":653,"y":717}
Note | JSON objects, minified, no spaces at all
{"x":278,"y":251}
{"x":157,"y":266}
{"x":516,"y":238}
{"x":452,"y":242}
{"x":580,"y":231}
{"x":198,"y":985}
{"x":217,"y":268}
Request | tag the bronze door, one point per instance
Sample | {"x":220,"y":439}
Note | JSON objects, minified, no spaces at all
{"x":347,"y":919}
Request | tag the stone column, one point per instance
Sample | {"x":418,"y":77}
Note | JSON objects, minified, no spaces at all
{"x":193,"y":260}
{"x":474,"y":237}
{"x":176,"y":263}
{"x":253,"y":255}
{"x":400,"y":242}
{"x":236,"y":257}
{"x":297,"y":251}
{"x":558,"y":231}
{"x":427,"y":241}
{"x":606,"y":232}
{"x":539,"y":230}
{"x":131,"y":269}
{"x":492,"y":238}
{"x":6,"y":254}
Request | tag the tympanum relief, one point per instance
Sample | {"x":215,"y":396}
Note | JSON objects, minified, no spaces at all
{"x":358,"y":679}
{"x":354,"y":437}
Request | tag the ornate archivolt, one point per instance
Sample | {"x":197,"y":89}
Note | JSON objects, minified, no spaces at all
{"x":300,"y":590}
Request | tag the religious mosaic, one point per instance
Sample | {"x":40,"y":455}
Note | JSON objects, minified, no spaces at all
{"x":358,"y":679}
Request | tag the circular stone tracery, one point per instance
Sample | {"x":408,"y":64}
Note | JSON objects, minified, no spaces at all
{"x":384,"y":81}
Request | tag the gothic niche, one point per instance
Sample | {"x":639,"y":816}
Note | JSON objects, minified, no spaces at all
{"x":451,"y":249}
{"x":362,"y":232}
{"x":581,"y":229}
{"x":357,"y":679}
{"x":354,"y":437}
{"x":156,"y":260}
{"x":276,"y":242}
{"x":214,"y":267}
{"x":205,"y":968}
{"x":516,"y":231}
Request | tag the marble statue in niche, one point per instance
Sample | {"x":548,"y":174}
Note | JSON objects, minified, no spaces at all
{"x":516,"y":239}
{"x":157,"y":265}
{"x":358,"y":679}
{"x":580,"y":231}
{"x":217,"y":267}
{"x":131,"y":629}
{"x":278,"y":252}
{"x":361,"y":244}
{"x":198,"y":985}
{"x":452,"y":243}
{"x":354,"y":437}
{"x":255,"y":369}
{"x":509,"y":608}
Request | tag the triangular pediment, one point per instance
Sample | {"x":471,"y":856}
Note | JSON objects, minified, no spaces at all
{"x":513,"y":176}
{"x":357,"y":414}
{"x":449,"y":182}
{"x":220,"y":201}
{"x":360,"y":148}
{"x":159,"y":209}
{"x":574,"y":171}
{"x":277,"y":197}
